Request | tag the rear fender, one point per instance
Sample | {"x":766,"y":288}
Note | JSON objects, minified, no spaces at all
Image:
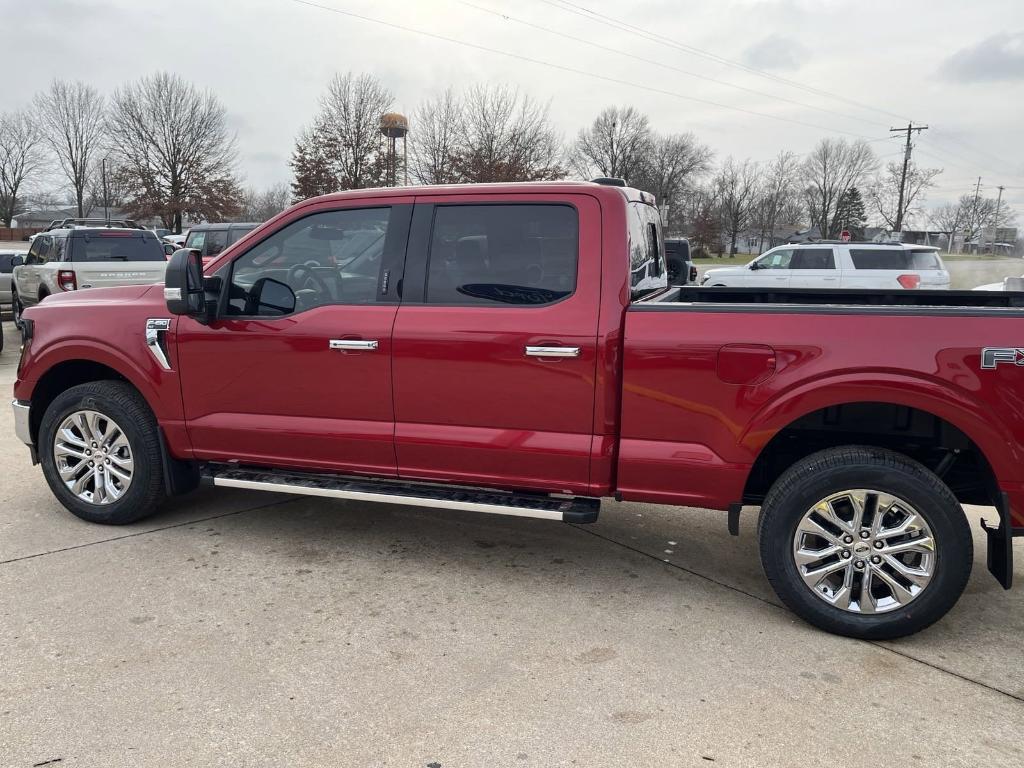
{"x":972,"y":417}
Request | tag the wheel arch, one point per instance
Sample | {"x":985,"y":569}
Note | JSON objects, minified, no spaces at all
{"x":70,"y":366}
{"x":954,"y":448}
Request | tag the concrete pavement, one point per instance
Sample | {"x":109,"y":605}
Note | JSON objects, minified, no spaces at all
{"x":249,"y":629}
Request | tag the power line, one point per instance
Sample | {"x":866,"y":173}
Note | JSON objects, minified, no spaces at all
{"x":726,"y":83}
{"x":611,"y":21}
{"x":574,"y":70}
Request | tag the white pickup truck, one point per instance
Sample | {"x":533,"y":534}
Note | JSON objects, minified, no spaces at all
{"x":76,"y":257}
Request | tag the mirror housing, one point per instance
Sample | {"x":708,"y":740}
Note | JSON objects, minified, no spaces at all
{"x":754,"y":265}
{"x":183,"y":284}
{"x":17,"y":261}
{"x":169,"y":249}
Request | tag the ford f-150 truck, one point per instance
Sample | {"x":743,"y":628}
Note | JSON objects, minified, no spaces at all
{"x":515,"y":349}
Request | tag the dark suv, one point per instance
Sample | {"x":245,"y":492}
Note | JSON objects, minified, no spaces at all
{"x":681,"y":269}
{"x":211,"y":239}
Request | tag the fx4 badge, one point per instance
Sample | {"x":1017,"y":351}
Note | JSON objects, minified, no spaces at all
{"x":993,"y":356}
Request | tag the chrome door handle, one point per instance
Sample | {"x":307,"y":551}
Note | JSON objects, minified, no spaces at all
{"x":355,"y":344}
{"x":552,"y":351}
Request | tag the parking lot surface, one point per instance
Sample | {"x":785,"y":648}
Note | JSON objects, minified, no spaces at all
{"x":245,"y":629}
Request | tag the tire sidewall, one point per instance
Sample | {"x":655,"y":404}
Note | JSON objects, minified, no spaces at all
{"x":941,"y":512}
{"x":124,"y":509}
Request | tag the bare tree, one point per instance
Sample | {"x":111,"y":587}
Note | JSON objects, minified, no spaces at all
{"x":884,"y":192}
{"x":735,"y":187}
{"x":350,"y":116}
{"x":72,"y":118}
{"x":778,"y":200}
{"x":435,"y":139}
{"x":616,"y":144}
{"x":832,"y":168}
{"x":949,"y":219}
{"x":506,"y":136}
{"x":260,"y":205}
{"x":174,"y":142}
{"x":21,"y":159}
{"x":671,"y":166}
{"x":703,"y":220}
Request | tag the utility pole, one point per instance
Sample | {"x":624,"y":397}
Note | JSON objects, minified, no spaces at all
{"x":103,"y":173}
{"x":906,"y":162}
{"x":995,"y":221}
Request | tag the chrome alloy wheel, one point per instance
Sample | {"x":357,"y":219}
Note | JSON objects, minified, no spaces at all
{"x":864,"y":551}
{"x":93,"y":457}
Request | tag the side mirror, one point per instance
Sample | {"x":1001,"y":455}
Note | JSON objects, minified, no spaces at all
{"x":169,"y":249}
{"x":270,"y":297}
{"x":183,"y":284}
{"x":17,"y":261}
{"x":754,"y":265}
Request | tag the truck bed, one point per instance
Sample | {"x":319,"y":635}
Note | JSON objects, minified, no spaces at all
{"x":822,"y":299}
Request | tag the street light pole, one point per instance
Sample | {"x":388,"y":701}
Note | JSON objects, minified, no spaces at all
{"x":103,"y":176}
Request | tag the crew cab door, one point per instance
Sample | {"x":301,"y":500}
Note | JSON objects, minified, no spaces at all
{"x":495,"y":341}
{"x":772,"y":270}
{"x":813,"y":268}
{"x":309,"y":386}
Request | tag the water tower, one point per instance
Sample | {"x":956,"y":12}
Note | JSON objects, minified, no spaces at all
{"x":394,"y":127}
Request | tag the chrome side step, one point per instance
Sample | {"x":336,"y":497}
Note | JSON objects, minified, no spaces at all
{"x":566,"y":509}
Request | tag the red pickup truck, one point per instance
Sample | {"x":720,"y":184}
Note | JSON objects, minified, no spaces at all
{"x":515,"y":349}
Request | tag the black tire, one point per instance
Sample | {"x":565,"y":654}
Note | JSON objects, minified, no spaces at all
{"x":122,"y":403}
{"x":854,"y":467}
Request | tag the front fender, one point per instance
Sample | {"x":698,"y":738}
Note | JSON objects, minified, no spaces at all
{"x":130,"y":360}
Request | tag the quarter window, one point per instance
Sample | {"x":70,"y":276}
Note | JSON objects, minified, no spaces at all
{"x":327,"y":258}
{"x":491,"y":255}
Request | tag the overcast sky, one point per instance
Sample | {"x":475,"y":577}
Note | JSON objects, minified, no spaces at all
{"x":959,"y":67}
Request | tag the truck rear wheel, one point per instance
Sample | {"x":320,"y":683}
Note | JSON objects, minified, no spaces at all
{"x":100,"y":451}
{"x":865,"y":542}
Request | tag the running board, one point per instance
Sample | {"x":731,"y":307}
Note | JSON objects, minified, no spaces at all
{"x":569,"y":509}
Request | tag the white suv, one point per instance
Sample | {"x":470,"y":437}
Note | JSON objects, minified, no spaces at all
{"x":838,"y":265}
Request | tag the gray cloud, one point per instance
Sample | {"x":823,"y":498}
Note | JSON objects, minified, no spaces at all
{"x":999,"y":57}
{"x":775,"y":52}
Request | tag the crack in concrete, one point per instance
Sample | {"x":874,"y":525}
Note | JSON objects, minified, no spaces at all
{"x":147,"y":531}
{"x":780,"y":607}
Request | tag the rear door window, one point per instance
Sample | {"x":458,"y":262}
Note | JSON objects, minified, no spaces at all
{"x":116,"y":245}
{"x":236,"y":233}
{"x":216,"y":241}
{"x":488,"y":255}
{"x":813,"y":258}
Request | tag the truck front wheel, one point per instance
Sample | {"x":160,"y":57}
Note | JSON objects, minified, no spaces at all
{"x":865,"y":542}
{"x":100,"y":451}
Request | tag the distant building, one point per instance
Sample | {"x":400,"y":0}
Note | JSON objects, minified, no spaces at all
{"x":41,"y":218}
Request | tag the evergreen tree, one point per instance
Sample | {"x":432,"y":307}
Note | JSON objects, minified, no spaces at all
{"x":312,"y":165}
{"x":851,"y":215}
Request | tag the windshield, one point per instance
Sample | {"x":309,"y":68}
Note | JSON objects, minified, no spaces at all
{"x":118,"y":245}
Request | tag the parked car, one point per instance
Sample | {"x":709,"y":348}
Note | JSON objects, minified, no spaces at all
{"x":6,"y":272}
{"x":211,"y":239}
{"x":515,"y":349}
{"x":681,"y":269}
{"x":1007,"y":284}
{"x":838,"y":265}
{"x":79,"y":257}
{"x":178,"y":240}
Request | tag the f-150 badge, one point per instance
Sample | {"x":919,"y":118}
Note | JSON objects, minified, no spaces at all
{"x":993,"y":356}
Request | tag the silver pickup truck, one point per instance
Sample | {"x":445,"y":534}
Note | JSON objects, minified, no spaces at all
{"x":77,"y":257}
